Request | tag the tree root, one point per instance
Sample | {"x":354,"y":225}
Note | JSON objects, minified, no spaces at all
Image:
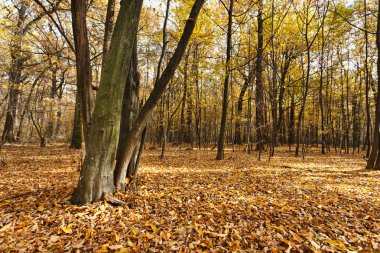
{"x":114,"y":201}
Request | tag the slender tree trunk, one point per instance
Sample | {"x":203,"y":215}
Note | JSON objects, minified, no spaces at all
{"x":76,"y":137}
{"x":27,"y":102}
{"x":374,"y":158}
{"x":223,"y":122}
{"x":274,"y":90}
{"x":238,"y":124}
{"x":15,"y":76}
{"x":182,"y":132}
{"x":259,"y":99}
{"x":368,"y":113}
{"x":129,"y":109}
{"x":108,"y":29}
{"x":291,"y":120}
{"x":304,"y":97}
{"x":323,"y":138}
{"x":53,"y":93}
{"x":83,"y":65}
{"x":161,"y":84}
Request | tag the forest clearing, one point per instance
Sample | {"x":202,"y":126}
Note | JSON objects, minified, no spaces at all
{"x":192,"y":202}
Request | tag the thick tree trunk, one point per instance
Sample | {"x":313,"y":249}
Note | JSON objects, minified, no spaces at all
{"x":96,"y":177}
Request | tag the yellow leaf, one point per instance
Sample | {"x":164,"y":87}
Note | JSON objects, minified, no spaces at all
{"x":154,"y":228}
{"x":331,"y":242}
{"x":135,"y":231}
{"x":103,"y":249}
{"x":129,"y":243}
{"x":6,"y":227}
{"x":68,"y":229}
{"x":124,"y":250}
{"x":41,"y":208}
{"x":296,"y":237}
{"x":117,"y":237}
{"x":149,"y":236}
{"x":88,"y":233}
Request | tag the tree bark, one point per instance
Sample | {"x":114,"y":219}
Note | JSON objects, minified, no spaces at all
{"x":374,"y":158}
{"x":367,"y":105}
{"x":83,"y":65}
{"x":76,"y":137}
{"x":133,"y":135}
{"x":108,"y":29}
{"x":15,"y":76}
{"x":259,"y":99}
{"x":96,"y":177}
{"x":243,"y":90}
{"x":222,"y":131}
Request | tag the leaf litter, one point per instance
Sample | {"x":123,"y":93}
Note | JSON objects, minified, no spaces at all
{"x":192,"y":203}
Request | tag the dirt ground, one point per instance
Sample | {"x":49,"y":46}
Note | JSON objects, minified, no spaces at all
{"x":192,"y":203}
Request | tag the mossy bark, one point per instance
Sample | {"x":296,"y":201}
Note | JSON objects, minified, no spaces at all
{"x":96,"y":177}
{"x":134,"y":134}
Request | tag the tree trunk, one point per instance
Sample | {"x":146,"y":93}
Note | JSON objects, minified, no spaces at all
{"x":291,"y":120}
{"x":76,"y":137}
{"x":374,"y":158}
{"x":96,"y":177}
{"x":367,"y":105}
{"x":223,"y":122}
{"x":108,"y":29}
{"x":321,"y":93}
{"x":15,"y":76}
{"x":238,"y":124}
{"x":259,"y":99}
{"x":161,"y":84}
{"x":83,"y":65}
{"x":182,"y":132}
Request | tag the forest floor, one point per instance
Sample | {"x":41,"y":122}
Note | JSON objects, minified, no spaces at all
{"x":191,"y":202}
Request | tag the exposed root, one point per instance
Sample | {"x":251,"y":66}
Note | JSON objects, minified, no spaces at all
{"x":114,"y":201}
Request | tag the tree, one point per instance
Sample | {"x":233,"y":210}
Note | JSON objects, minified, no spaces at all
{"x":99,"y":176}
{"x":227,"y":72}
{"x":83,"y":65}
{"x":17,"y":64}
{"x":374,"y":158}
{"x":259,"y":98}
